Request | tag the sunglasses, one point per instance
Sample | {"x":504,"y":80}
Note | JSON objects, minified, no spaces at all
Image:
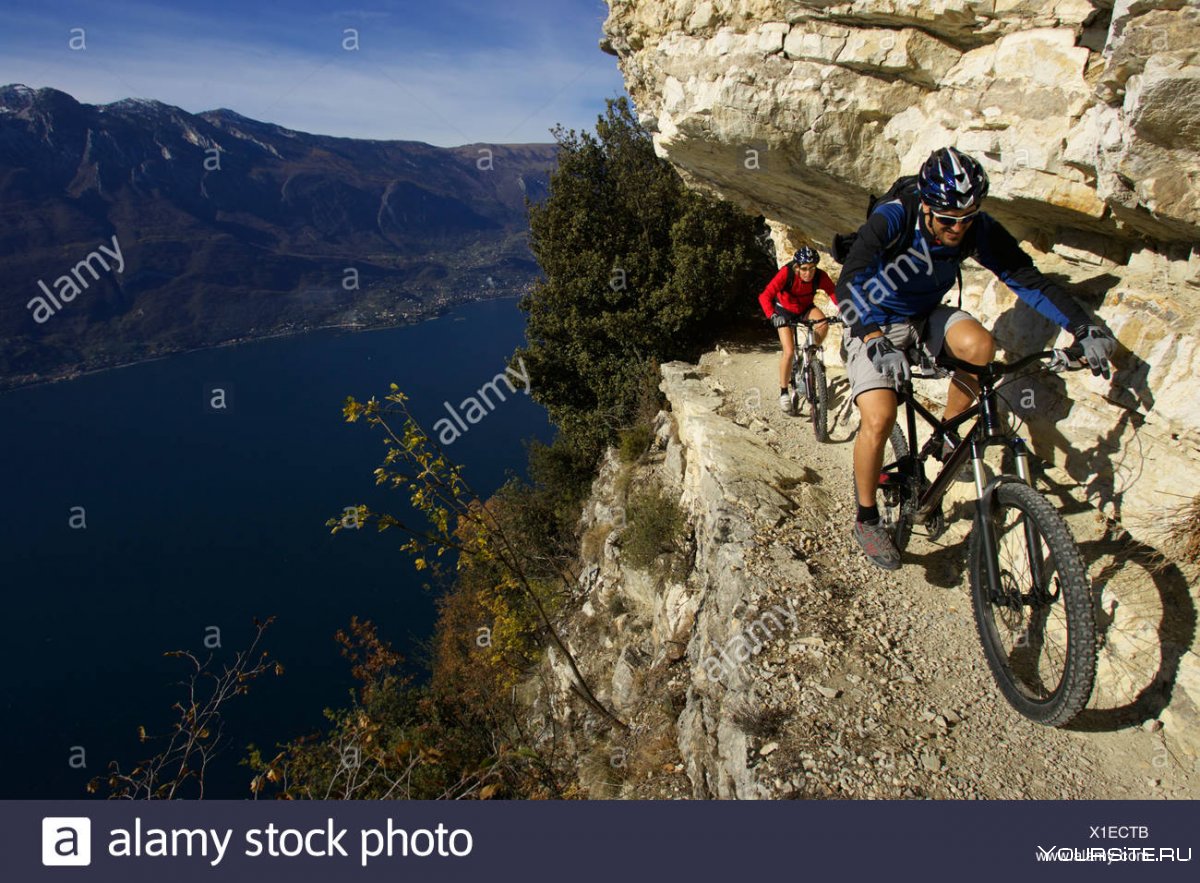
{"x":954,"y":220}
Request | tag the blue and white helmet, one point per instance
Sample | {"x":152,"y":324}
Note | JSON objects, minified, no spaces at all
{"x":951,"y":179}
{"x":806,"y":255}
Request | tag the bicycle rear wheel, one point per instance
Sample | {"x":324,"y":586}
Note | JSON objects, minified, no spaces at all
{"x":1038,"y":632}
{"x":894,"y":502}
{"x":819,"y":396}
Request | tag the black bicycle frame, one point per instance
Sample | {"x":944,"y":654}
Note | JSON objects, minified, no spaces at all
{"x":986,"y":432}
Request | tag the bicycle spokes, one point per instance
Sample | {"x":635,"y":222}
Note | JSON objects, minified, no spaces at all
{"x":1030,"y":625}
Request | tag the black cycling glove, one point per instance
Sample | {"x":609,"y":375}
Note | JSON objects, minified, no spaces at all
{"x":888,"y":360}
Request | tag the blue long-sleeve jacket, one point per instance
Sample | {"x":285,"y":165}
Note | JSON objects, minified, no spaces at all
{"x":912,"y":284}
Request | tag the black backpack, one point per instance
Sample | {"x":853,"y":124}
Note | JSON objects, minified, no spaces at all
{"x":901,"y":188}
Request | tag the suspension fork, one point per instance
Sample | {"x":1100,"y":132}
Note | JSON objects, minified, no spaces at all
{"x":803,"y":358}
{"x":1033,"y":540}
{"x":912,"y":467}
{"x":984,"y":523}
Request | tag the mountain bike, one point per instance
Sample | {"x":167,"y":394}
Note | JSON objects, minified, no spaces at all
{"x":808,"y":375}
{"x":1029,"y":587}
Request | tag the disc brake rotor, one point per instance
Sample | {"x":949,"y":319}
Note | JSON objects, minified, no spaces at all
{"x":1009,"y":606}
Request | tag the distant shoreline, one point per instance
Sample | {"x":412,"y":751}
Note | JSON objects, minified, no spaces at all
{"x":10,"y":385}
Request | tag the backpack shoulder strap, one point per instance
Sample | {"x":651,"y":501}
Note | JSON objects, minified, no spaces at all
{"x":896,"y":245}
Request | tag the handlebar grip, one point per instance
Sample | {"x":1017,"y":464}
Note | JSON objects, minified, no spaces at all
{"x":1068,"y":359}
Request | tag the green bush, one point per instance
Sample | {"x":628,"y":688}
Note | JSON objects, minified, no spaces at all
{"x":541,"y":513}
{"x":639,"y":269}
{"x":654,"y":526}
{"x":634,"y":442}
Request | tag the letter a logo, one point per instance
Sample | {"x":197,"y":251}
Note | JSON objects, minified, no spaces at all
{"x":66,"y":841}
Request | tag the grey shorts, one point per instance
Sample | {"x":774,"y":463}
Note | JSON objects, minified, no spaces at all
{"x":931,"y":332}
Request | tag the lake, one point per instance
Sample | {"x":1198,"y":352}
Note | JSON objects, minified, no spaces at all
{"x":137,"y":518}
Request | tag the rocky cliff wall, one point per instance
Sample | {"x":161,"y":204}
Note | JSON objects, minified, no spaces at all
{"x":1086,"y":116}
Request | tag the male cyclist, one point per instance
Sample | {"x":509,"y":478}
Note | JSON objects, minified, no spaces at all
{"x":892,"y":304}
{"x":789,"y":297}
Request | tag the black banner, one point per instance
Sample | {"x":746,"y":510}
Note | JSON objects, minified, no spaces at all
{"x":594,"y":841}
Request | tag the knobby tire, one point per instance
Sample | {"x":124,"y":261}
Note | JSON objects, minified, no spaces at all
{"x":819,"y":397}
{"x":902,"y":525}
{"x":1025,"y":640}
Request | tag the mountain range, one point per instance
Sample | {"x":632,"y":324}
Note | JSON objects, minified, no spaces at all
{"x":230,"y":229}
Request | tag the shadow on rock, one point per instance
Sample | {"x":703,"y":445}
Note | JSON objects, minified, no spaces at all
{"x":1145,"y":623}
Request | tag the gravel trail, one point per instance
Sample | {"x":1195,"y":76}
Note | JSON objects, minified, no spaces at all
{"x":887,"y":693}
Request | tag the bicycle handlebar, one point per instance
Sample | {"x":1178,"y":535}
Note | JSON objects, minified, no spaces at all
{"x":1068,"y":359}
{"x":832,"y":320}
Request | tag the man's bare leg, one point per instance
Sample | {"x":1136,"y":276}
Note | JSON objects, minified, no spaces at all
{"x":877,"y":408}
{"x":971,"y":342}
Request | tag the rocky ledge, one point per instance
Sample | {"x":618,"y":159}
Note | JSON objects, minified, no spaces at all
{"x":762,"y":656}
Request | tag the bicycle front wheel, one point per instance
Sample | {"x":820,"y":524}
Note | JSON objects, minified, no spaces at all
{"x":797,"y":385}
{"x":818,"y":392}
{"x":1037,"y":628}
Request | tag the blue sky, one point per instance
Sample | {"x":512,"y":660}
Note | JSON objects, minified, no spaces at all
{"x":444,"y":71}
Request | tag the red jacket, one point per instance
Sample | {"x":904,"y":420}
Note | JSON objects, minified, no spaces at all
{"x":799,"y":298}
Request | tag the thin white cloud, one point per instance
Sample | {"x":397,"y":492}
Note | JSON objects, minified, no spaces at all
{"x":441,"y":97}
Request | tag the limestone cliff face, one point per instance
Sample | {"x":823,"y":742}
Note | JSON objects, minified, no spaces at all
{"x":1085,"y":114}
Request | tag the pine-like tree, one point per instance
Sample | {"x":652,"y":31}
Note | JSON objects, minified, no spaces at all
{"x":639,"y":269}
